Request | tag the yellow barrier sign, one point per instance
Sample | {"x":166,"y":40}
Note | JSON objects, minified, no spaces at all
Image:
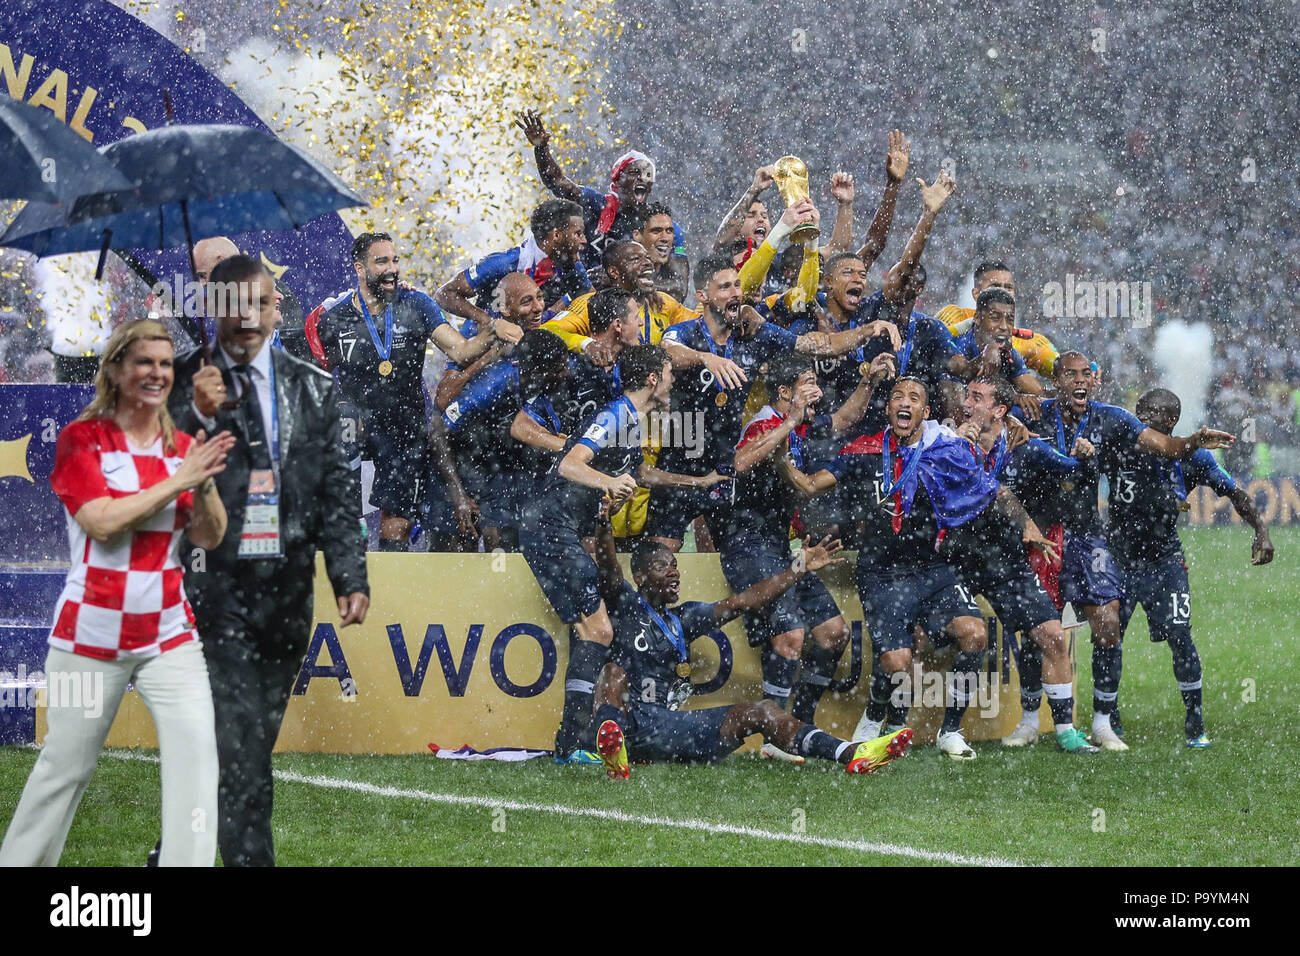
{"x":463,"y":649}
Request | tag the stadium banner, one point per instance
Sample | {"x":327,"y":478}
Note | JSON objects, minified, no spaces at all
{"x":463,"y":649}
{"x":103,"y":72}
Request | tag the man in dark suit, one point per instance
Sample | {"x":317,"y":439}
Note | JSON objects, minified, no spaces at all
{"x":288,"y":491}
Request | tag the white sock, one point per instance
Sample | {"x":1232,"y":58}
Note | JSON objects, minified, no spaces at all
{"x":1100,"y":722}
{"x":1063,"y":728}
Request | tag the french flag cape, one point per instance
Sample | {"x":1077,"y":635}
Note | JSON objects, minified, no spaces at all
{"x":952,"y":473}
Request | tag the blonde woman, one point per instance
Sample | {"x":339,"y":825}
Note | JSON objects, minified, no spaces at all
{"x":131,"y":484}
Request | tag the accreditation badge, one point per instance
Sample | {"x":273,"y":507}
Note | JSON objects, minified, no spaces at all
{"x":260,"y":536}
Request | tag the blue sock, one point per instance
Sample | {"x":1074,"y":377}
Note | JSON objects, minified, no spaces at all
{"x":1107,"y":663}
{"x":818,"y":670}
{"x":961,"y":687}
{"x":1031,"y":676}
{"x":1187,"y":671}
{"x":878,"y":701}
{"x":812,"y":742}
{"x":586,"y":658}
{"x":778,"y":677}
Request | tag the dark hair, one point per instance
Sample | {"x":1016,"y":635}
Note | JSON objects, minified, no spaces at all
{"x":605,"y":308}
{"x":1069,"y":353}
{"x":1003,"y":393}
{"x":637,"y":363}
{"x":785,"y":369}
{"x":551,"y":215}
{"x":1160,"y":398}
{"x":711,"y":265}
{"x":836,"y":259}
{"x":994,"y":296}
{"x":362,"y":243}
{"x":539,"y":350}
{"x":238,"y":268}
{"x":911,"y":378}
{"x":611,"y":252}
{"x":990,"y":265}
{"x":645,"y":551}
{"x":643,"y":217}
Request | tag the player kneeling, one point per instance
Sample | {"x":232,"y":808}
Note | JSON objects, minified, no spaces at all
{"x":648,"y":679}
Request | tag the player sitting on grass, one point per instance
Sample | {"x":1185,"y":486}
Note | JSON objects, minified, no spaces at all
{"x":648,"y":678}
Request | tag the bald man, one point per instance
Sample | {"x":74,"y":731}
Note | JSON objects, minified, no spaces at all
{"x":209,"y":252}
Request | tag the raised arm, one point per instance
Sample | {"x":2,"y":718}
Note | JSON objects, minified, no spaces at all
{"x":650,"y":477}
{"x":731,"y":223}
{"x":932,"y":198}
{"x":812,"y":559}
{"x":842,"y":230}
{"x":1170,"y":447}
{"x":895,"y":169}
{"x":539,"y":137}
{"x":454,"y":296}
{"x":854,"y":407}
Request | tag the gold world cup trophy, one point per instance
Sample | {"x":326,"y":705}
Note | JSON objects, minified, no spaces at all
{"x":792,"y":182}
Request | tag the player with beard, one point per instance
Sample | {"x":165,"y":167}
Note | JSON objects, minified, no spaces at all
{"x":608,"y":217}
{"x":1035,"y":348}
{"x":1089,"y":577}
{"x":643,"y":687}
{"x":476,"y":433}
{"x":983,"y":529}
{"x":988,"y":348}
{"x":604,"y":460}
{"x":1147,"y":493}
{"x":1034,"y":470}
{"x":708,"y":409}
{"x":374,"y":342}
{"x":757,"y":539}
{"x":654,"y":231}
{"x":549,"y":256}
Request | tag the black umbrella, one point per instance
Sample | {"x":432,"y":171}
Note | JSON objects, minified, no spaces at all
{"x":194,"y":182}
{"x":43,"y":160}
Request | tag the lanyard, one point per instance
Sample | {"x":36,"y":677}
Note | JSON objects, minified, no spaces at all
{"x":998,"y":455}
{"x":857,"y":354}
{"x":386,"y":349}
{"x":1060,"y":427}
{"x":905,"y":356}
{"x":275,"y":416}
{"x":713,"y":346}
{"x":910,"y":465}
{"x":671,"y":628}
{"x":645,"y":339}
{"x":543,"y":403}
{"x":1180,"y":485}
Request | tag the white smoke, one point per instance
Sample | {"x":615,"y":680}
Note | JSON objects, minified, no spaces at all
{"x":1183,"y":357}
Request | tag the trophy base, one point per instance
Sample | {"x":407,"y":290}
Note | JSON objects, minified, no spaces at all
{"x":805,"y":234}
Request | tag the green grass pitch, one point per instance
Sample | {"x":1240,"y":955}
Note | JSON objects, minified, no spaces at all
{"x":1234,"y":805}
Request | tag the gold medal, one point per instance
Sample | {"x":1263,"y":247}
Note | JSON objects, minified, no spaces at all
{"x":721,"y":400}
{"x":385,"y":367}
{"x":684,"y":669}
{"x":864,"y":368}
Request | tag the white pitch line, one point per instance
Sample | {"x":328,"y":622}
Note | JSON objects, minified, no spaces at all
{"x":617,"y":816}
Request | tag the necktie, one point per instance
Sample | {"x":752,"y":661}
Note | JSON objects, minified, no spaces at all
{"x":252,"y":412}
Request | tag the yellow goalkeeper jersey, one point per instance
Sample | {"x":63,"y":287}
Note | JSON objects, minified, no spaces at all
{"x":1034,"y":347}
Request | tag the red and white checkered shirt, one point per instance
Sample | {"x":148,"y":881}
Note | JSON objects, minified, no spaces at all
{"x":124,"y":598}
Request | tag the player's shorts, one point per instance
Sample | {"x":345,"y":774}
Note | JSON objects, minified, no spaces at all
{"x":564,"y":570}
{"x":748,"y":558}
{"x":673,"y":509}
{"x":1088,"y":571}
{"x":894,"y":603}
{"x":999,"y":570}
{"x":496,"y":493}
{"x":401,"y":471}
{"x":1161,"y":588}
{"x":685,"y":736}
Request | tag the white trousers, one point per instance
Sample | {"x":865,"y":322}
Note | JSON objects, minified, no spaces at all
{"x":82,"y":700}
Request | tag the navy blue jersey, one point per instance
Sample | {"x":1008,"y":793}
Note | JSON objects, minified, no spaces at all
{"x":687,"y":449}
{"x":547,"y":411}
{"x":764,"y":502}
{"x":392,"y":403}
{"x":478,"y":421}
{"x":1033,"y":472}
{"x":593,"y":203}
{"x":1145,"y":491}
{"x":892,"y":543}
{"x":614,"y":437}
{"x":1111,"y":430}
{"x":1012,"y":364}
{"x":559,"y":285}
{"x":591,"y":388}
{"x":648,"y":655}
{"x":925,"y":353}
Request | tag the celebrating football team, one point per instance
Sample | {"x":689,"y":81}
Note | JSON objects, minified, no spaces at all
{"x":792,"y":412}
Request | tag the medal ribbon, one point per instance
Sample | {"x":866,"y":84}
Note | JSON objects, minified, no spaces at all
{"x":858,"y":353}
{"x":543,"y":402}
{"x":893,"y":484}
{"x":905,"y":355}
{"x":671,"y":628}
{"x":1180,"y":485}
{"x":645,"y":338}
{"x":713,"y":346}
{"x":998,"y":455}
{"x":386,"y":349}
{"x":1060,"y":427}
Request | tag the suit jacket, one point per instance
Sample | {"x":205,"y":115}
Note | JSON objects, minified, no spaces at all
{"x":320,"y":502}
